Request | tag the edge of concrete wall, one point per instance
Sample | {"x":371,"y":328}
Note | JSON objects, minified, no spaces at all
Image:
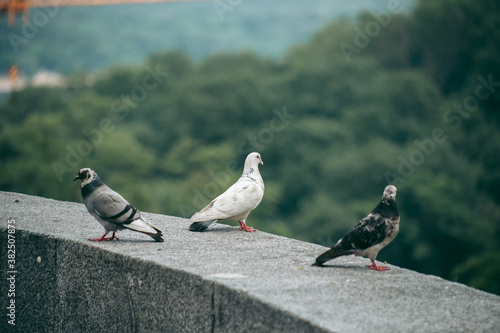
{"x":222,"y":280}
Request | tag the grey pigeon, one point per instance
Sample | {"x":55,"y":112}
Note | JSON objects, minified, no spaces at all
{"x":238,"y":200}
{"x":371,"y":234}
{"x":111,"y":210}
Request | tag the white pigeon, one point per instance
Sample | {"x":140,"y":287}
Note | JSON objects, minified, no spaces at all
{"x":371,"y":234}
{"x":111,"y":210}
{"x":238,"y":200}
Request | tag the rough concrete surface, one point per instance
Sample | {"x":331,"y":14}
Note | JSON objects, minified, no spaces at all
{"x":221,"y":280}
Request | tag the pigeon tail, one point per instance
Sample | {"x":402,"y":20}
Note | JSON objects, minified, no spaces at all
{"x":157,"y":237}
{"x":200,"y":226}
{"x":333,"y":253}
{"x":140,"y":225}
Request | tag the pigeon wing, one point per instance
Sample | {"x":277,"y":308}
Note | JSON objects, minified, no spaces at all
{"x":369,"y":231}
{"x":239,"y":199}
{"x":112,"y":207}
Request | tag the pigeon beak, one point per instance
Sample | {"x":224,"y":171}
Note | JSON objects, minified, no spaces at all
{"x":260,"y":161}
{"x":76,"y":178}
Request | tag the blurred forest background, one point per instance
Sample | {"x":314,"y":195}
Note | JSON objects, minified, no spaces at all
{"x":414,"y":102}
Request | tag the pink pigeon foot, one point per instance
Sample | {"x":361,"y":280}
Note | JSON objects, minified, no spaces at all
{"x":377,"y":268}
{"x":244,"y":227}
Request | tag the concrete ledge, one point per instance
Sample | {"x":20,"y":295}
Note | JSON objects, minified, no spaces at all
{"x":221,"y":280}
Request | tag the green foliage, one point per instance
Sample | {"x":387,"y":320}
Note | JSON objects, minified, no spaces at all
{"x":329,"y":131}
{"x":481,"y":272}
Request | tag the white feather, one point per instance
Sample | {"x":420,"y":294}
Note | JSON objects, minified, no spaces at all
{"x":238,"y":200}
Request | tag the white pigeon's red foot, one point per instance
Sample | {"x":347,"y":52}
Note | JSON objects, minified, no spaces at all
{"x":377,"y":268}
{"x":244,"y":227}
{"x":103,"y":238}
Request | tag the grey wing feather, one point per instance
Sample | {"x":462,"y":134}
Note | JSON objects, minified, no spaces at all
{"x":112,"y":207}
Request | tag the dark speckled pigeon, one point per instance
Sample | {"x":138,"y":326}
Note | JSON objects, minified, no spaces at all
{"x":111,"y":210}
{"x":371,"y":234}
{"x":238,"y":200}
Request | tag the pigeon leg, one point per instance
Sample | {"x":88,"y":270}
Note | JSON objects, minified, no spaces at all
{"x":244,"y":227}
{"x":113,"y":237}
{"x":377,"y":268}
{"x":100,"y":239}
{"x":103,"y":238}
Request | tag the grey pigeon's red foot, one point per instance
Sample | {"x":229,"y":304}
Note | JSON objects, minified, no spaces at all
{"x":377,"y":268}
{"x":244,"y":227}
{"x":103,"y":238}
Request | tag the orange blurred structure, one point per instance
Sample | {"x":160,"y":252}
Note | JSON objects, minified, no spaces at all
{"x":13,"y":76}
{"x":13,"y":7}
